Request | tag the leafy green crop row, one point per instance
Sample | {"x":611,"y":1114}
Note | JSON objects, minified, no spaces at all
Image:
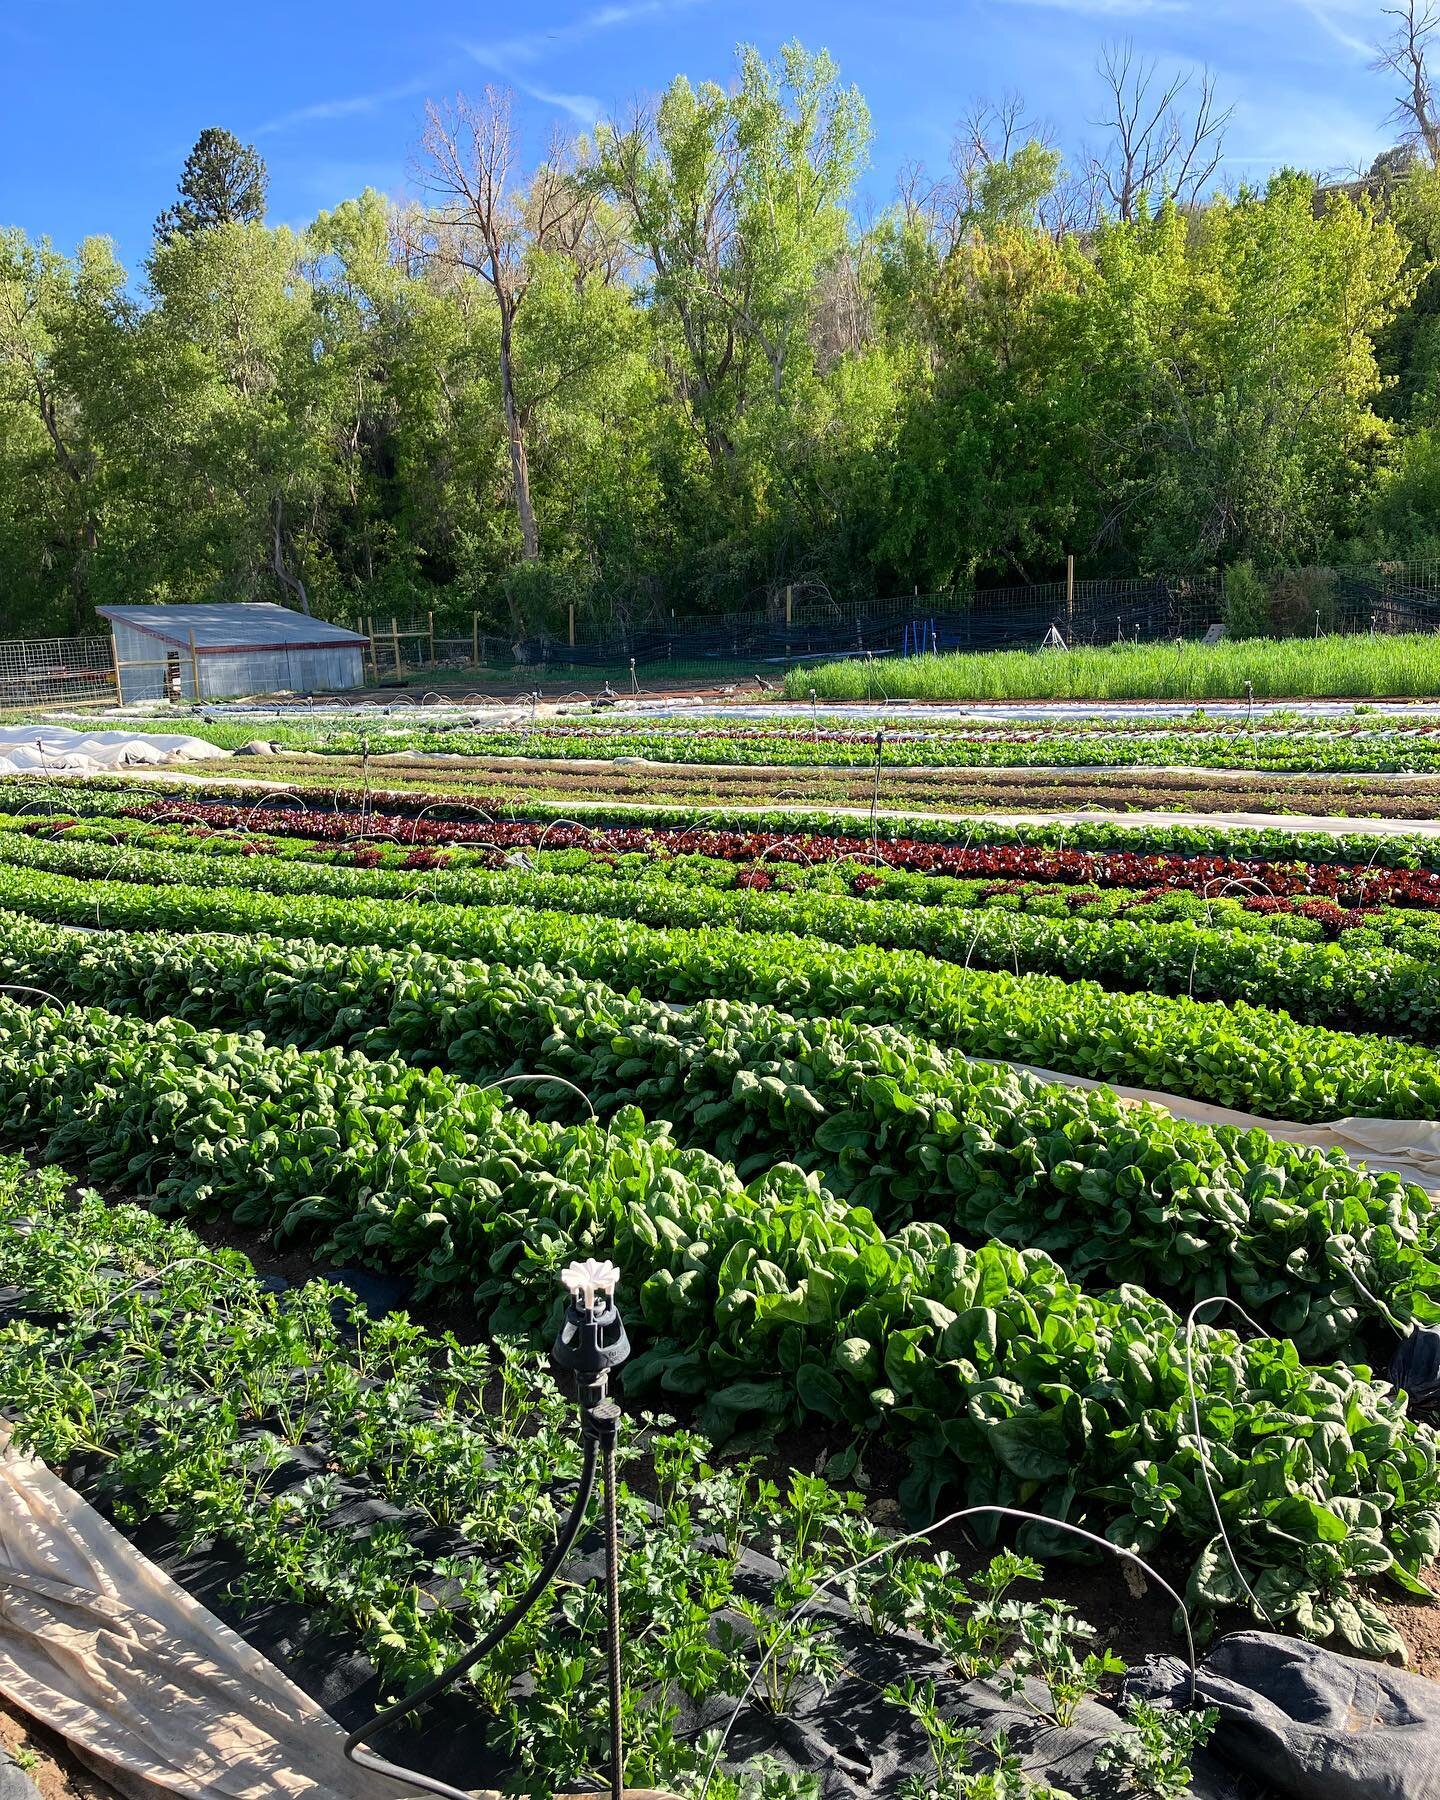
{"x":1327,"y":984}
{"x":102,"y":796}
{"x":1235,"y":1055}
{"x":890,"y":1122}
{"x":259,"y":1419}
{"x":1361,"y":746}
{"x":1005,"y":1380}
{"x":1299,"y":919}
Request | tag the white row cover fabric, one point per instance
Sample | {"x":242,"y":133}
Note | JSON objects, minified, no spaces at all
{"x":55,"y":750}
{"x":1409,"y":1148}
{"x":149,"y":1687}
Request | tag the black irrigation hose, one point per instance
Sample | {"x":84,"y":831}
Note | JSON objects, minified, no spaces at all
{"x":354,"y":1744}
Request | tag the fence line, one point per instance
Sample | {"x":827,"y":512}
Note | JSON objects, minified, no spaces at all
{"x":808,"y":626}
{"x":56,"y":669}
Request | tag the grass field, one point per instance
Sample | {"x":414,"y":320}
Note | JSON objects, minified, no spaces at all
{"x":1296,"y":669}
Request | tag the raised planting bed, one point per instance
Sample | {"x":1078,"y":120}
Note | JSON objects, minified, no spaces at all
{"x":359,"y":1498}
{"x":773,"y":1303}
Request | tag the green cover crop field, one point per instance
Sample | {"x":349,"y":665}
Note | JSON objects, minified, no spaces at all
{"x":1298,"y":668}
{"x":874,"y":1272}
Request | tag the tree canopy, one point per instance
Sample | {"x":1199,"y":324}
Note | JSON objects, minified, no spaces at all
{"x":670,"y":366}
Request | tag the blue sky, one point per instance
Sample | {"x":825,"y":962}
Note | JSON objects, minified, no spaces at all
{"x":103,"y":101}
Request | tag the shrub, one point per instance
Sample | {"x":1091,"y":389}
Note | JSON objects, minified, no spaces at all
{"x":1247,"y":604}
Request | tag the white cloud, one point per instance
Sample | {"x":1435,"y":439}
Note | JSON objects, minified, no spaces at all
{"x":1332,"y":21}
{"x":348,"y":108}
{"x":511,"y":57}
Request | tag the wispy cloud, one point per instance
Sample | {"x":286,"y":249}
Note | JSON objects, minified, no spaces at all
{"x":352,"y":106}
{"x":1332,"y":21}
{"x":511,"y":57}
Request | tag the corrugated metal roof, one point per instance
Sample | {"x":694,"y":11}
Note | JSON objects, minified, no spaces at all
{"x":240,"y":625}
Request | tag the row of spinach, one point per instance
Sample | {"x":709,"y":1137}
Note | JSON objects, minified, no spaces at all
{"x":1236,"y":1055}
{"x":891,"y":1122}
{"x":391,"y":1489}
{"x":773,"y":1302}
{"x":1329,"y":984}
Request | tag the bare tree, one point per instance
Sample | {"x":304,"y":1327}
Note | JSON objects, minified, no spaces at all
{"x":991,"y":136}
{"x":485,"y":224}
{"x":991,"y":133}
{"x":1154,"y":144}
{"x":1405,"y":54}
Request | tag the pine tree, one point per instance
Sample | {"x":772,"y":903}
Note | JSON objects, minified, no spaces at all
{"x":223,"y":184}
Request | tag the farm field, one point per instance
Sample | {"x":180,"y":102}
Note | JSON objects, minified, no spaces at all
{"x":839,"y":1099}
{"x":1272,"y":742}
{"x":500,"y":785}
{"x":1342,"y":667}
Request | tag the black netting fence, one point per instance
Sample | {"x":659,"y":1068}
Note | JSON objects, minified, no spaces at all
{"x":819,"y":630}
{"x":811,"y":627}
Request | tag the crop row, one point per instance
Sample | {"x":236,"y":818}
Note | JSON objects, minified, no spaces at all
{"x":1327,"y":984}
{"x":1345,"y":884}
{"x":1233,"y":1055}
{"x":101,"y":796}
{"x":1003,"y":1379}
{"x":1300,"y":920}
{"x":890,"y":1122}
{"x":793,"y":744}
{"x":362,"y":1474}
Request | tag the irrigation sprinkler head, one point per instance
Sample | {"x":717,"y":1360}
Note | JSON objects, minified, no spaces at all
{"x":592,"y":1341}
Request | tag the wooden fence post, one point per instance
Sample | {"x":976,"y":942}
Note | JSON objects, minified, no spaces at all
{"x":395,"y":646}
{"x":475,"y":639}
{"x":1069,"y":598}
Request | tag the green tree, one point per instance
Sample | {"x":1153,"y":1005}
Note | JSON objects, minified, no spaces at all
{"x":223,"y":183}
{"x":65,"y":405}
{"x":735,"y":204}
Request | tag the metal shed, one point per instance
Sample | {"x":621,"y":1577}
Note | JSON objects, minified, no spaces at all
{"x":215,"y":649}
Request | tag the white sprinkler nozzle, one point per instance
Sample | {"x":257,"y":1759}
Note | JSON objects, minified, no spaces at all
{"x":583,"y":1280}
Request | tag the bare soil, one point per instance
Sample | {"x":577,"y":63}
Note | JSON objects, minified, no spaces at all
{"x":45,"y":1757}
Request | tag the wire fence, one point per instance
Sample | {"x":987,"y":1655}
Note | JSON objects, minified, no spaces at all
{"x":56,"y":669}
{"x":796,"y":629}
{"x":800,"y":627}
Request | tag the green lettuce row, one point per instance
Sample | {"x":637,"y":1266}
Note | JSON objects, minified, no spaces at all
{"x":1328,"y":984}
{"x":105,"y":796}
{"x":1005,"y":1381}
{"x":1378,"y":748}
{"x":890,"y":1122}
{"x":1413,"y":930}
{"x":1235,"y":1055}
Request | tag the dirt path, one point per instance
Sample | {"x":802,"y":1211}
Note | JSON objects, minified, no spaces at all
{"x":45,"y":1758}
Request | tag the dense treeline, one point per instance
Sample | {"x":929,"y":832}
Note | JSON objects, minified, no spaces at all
{"x":668,"y":366}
